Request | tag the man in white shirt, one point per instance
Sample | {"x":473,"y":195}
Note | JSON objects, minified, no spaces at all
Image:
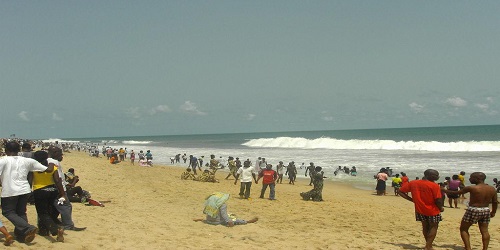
{"x":14,"y":172}
{"x":246,"y":173}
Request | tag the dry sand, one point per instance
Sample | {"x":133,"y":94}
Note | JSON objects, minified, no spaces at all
{"x":151,"y":208}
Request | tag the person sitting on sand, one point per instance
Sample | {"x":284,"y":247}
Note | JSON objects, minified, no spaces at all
{"x":113,"y":159}
{"x":478,"y":211}
{"x":316,"y":194}
{"x":216,"y":211}
{"x":75,"y":193}
{"x":187,"y":175}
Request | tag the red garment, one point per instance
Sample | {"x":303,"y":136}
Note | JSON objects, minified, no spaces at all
{"x":268,"y":175}
{"x":424,"y":194}
{"x":405,"y":179}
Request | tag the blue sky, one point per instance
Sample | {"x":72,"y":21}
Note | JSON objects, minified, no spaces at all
{"x":120,"y":68}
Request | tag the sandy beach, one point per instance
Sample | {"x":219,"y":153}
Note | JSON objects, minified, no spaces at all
{"x":152,"y":208}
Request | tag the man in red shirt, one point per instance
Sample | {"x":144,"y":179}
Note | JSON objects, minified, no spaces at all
{"x":269,"y":177}
{"x":426,"y":195}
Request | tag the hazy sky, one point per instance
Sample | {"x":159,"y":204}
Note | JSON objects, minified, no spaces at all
{"x":120,"y":68}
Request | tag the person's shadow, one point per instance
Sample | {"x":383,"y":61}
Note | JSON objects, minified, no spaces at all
{"x":412,"y":246}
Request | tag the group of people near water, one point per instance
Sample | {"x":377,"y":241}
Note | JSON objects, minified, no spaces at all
{"x":247,"y":173}
{"x":429,"y":200}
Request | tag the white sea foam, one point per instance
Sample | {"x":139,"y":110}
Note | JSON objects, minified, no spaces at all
{"x":137,"y":142}
{"x":332,"y":143}
{"x":53,"y":140}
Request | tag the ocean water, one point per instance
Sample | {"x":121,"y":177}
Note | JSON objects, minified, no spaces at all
{"x":411,"y":150}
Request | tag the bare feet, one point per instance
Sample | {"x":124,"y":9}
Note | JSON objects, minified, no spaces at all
{"x":8,"y":240}
{"x":60,"y":235}
{"x":196,"y":220}
{"x":253,"y":220}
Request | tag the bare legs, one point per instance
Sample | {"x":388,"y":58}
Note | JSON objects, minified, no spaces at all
{"x":429,"y":230}
{"x":464,"y":233}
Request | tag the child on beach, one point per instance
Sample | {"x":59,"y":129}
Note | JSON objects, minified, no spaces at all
{"x":396,"y":184}
{"x":481,"y":195}
{"x":9,"y":239}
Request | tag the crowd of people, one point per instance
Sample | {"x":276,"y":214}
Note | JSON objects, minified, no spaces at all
{"x":38,"y":178}
{"x":429,"y":199}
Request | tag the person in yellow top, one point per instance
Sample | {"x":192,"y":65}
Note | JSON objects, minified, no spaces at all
{"x":461,"y":178}
{"x":48,"y":191}
{"x":396,"y":184}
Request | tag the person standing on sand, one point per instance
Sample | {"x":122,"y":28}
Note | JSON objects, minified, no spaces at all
{"x":426,"y":196}
{"x":478,"y":211}
{"x":132,"y":157}
{"x":461,"y":177}
{"x":16,"y":189}
{"x":280,"y":168}
{"x":64,"y":208}
{"x":381,"y":179}
{"x":269,"y":177}
{"x":246,"y":173}
{"x":453,"y":185}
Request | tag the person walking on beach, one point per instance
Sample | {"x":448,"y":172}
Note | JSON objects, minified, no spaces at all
{"x":426,"y":196}
{"x":478,"y":211}
{"x":280,"y":169}
{"x":269,"y":178}
{"x":247,"y":173}
{"x":291,"y":171}
{"x":310,"y":169}
{"x":14,"y":171}
{"x":193,"y":163}
{"x":47,"y":187}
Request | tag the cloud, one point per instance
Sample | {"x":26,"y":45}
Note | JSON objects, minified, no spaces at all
{"x":456,"y":102}
{"x":190,"y":107}
{"x":56,"y":117}
{"x":133,"y":112}
{"x":415,"y":107}
{"x":327,"y":118}
{"x":24,"y":116}
{"x":485,"y":108}
{"x":160,"y":109}
{"x":250,"y":117}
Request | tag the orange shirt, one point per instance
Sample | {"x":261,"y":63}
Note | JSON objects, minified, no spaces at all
{"x":112,"y":160}
{"x":424,"y":194}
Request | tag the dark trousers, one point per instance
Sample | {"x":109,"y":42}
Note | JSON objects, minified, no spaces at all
{"x":245,"y":189}
{"x":47,"y":213}
{"x":14,"y":209}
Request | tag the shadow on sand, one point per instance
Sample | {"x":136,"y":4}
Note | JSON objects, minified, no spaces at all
{"x":414,"y":246}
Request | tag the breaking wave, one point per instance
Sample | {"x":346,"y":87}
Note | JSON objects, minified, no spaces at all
{"x":332,"y":143}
